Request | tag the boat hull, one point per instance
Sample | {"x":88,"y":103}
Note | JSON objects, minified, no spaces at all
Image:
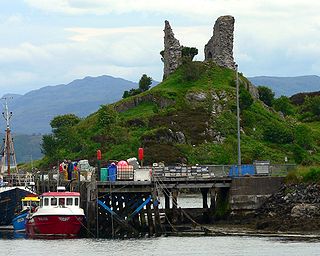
{"x":19,"y":222}
{"x":65,"y":226}
{"x":10,"y":201}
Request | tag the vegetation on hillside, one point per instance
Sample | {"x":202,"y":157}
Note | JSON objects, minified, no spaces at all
{"x":190,"y":118}
{"x":144,"y":85}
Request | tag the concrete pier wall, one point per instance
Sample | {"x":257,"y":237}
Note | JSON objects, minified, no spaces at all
{"x":249,"y":193}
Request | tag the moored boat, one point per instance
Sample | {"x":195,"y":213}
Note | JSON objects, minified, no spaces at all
{"x":11,"y":188}
{"x":10,"y":200}
{"x":59,"y":215}
{"x":28,"y":203}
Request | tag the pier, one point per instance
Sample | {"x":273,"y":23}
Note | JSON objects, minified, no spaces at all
{"x":126,"y":207}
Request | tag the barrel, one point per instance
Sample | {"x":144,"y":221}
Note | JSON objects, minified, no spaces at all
{"x":112,"y":172}
{"x":104,"y":174}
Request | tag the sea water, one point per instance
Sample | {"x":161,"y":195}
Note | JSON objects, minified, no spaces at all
{"x":220,"y":246}
{"x":12,"y":244}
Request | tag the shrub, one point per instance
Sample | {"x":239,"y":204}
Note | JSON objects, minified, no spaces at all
{"x":283,"y":104}
{"x":303,"y":136}
{"x":313,"y":175}
{"x":192,"y":71}
{"x":245,"y":98}
{"x":266,"y":95}
{"x":277,"y":133}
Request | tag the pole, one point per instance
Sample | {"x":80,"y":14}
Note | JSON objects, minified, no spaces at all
{"x":238,"y":122}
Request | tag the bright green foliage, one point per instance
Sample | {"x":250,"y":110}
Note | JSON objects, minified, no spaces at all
{"x":107,"y":116}
{"x":303,"y":136}
{"x":283,"y":105}
{"x":245,"y":98}
{"x":266,"y":95}
{"x":312,"y":176}
{"x":188,"y":118}
{"x":63,"y":121}
{"x":278,"y":133}
{"x":311,"y":108}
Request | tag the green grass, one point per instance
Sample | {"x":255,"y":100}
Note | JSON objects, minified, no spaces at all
{"x":145,"y":109}
{"x":148,"y":125}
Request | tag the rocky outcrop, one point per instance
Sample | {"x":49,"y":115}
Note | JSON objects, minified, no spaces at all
{"x":220,"y":47}
{"x":172,"y":54}
{"x":293,"y":207}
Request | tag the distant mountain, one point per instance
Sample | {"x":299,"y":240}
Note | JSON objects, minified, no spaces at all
{"x":33,"y":111}
{"x":288,"y":85}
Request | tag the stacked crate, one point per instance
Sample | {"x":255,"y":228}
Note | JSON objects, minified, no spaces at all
{"x":125,"y":172}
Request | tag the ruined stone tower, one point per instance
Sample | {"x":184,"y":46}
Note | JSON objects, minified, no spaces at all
{"x":171,"y":56}
{"x":220,"y":47}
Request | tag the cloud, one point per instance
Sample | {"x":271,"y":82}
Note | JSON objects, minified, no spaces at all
{"x":14,"y":81}
{"x":191,"y":8}
{"x":271,"y":38}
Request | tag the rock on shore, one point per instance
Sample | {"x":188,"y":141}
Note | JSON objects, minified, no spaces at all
{"x":295,"y":207}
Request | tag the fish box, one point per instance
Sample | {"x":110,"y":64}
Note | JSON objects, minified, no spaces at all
{"x":142,"y":174}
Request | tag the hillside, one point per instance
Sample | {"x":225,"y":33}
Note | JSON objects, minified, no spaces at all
{"x":288,"y":86}
{"x":189,"y":118}
{"x":34,"y":110}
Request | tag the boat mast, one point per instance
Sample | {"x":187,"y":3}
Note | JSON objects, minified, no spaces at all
{"x":8,"y":149}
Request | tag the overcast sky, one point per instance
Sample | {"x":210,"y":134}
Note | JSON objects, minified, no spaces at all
{"x":49,"y":42}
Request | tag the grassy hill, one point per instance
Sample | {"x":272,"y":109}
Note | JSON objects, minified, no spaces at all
{"x":189,"y":118}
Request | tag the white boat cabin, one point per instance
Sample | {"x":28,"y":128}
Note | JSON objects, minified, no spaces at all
{"x":60,"y":199}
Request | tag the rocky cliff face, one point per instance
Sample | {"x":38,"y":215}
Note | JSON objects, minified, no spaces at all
{"x":172,"y":55}
{"x":220,"y":47}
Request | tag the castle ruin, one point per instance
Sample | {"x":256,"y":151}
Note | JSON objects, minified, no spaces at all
{"x":219,"y":48}
{"x":172,"y":54}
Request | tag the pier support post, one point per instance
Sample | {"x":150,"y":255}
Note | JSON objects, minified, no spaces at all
{"x":167,"y":200}
{"x":204,"y":192}
{"x":212,"y":199}
{"x":150,"y":220}
{"x":174,"y":194}
{"x":222,"y":202}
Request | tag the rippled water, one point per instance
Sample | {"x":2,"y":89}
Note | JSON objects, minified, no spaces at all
{"x":228,"y":245}
{"x":220,"y":246}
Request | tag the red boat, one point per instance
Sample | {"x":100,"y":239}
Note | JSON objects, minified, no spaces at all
{"x":59,"y":215}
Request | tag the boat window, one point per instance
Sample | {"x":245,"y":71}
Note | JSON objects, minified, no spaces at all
{"x":61,"y":201}
{"x":41,"y":202}
{"x":25,"y":203}
{"x":53,"y":201}
{"x":46,"y":201}
{"x":69,"y":201}
{"x":76,"y":201}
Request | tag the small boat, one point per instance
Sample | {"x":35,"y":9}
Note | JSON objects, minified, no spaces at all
{"x":59,"y":215}
{"x":28,"y":204}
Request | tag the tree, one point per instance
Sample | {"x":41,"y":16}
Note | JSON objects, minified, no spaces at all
{"x":107,"y":115}
{"x":188,"y":53}
{"x":312,"y":104}
{"x":145,"y":83}
{"x":284,"y":105}
{"x":125,"y":94}
{"x":61,"y":121}
{"x":266,"y":95}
